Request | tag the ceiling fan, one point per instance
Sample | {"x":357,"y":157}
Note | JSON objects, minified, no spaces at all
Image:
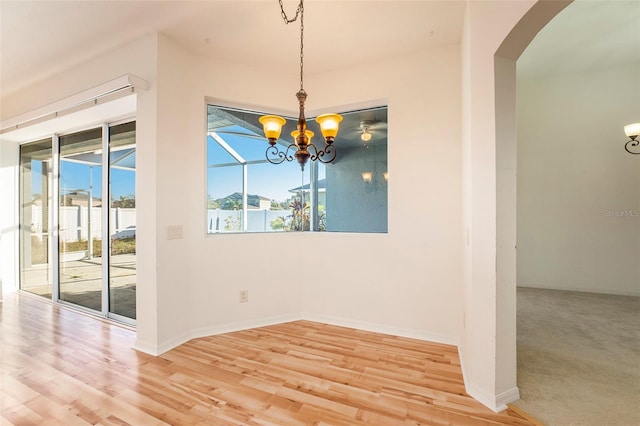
{"x":368,"y":128}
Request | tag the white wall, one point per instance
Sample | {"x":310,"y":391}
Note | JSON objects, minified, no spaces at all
{"x":199,"y":276}
{"x":485,"y":28}
{"x":409,"y":281}
{"x":494,"y":35}
{"x":9,"y":231}
{"x":578,"y":189}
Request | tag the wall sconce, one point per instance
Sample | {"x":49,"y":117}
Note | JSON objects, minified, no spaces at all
{"x":372,"y":181}
{"x":632,"y":131}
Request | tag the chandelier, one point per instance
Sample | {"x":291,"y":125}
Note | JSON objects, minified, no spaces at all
{"x":632,"y":131}
{"x":302,"y":145}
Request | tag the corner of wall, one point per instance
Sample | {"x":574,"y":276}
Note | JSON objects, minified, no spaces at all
{"x":9,"y":225}
{"x":489,"y":399}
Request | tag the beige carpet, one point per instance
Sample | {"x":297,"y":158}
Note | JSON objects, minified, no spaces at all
{"x":579,"y":357}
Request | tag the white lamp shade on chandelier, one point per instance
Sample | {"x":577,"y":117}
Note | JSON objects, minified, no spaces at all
{"x":632,"y":130}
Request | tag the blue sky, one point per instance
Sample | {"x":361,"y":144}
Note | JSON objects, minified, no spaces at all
{"x":78,"y":176}
{"x":272,"y":181}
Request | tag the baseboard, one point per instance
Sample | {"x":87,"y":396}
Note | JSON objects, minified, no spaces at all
{"x":159,"y":349}
{"x":155,"y":350}
{"x":604,"y":291}
{"x":463,"y":368}
{"x":507,"y":397}
{"x":494,"y":402}
{"x":382,"y":328}
{"x":243,"y":325}
{"x":487,"y":399}
{"x":146,"y":347}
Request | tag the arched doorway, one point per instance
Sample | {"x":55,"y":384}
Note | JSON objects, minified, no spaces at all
{"x":506,"y":165}
{"x":493,"y":38}
{"x":538,"y":16}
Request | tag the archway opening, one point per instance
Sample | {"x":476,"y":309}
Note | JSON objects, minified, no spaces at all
{"x":525,"y":206}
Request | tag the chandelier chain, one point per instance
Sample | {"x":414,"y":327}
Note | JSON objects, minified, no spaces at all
{"x":301,"y":46}
{"x":284,"y":14}
{"x":302,"y":146}
{"x":299,"y":13}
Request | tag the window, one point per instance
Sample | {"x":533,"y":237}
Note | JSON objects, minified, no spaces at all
{"x":246,"y":193}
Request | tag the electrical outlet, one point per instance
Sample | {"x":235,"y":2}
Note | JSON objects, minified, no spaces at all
{"x":244,"y":296}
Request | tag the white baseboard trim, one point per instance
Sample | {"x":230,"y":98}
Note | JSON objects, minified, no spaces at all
{"x":494,"y":402}
{"x":604,"y":291}
{"x":463,"y":368}
{"x":507,"y":397}
{"x":243,"y":325}
{"x":156,"y":350}
{"x":487,"y":399}
{"x":146,"y":347}
{"x":382,"y":328}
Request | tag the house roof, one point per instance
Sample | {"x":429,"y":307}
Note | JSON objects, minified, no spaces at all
{"x":252,"y":199}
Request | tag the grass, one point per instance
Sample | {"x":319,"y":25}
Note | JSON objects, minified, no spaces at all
{"x":119,"y":246}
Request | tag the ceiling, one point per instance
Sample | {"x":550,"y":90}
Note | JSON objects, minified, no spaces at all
{"x":41,"y":38}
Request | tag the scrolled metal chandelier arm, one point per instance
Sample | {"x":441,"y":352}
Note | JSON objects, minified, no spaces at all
{"x":329,"y":151}
{"x":632,"y":144}
{"x":275,"y":156}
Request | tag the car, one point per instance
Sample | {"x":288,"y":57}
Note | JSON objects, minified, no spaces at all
{"x":128,"y":232}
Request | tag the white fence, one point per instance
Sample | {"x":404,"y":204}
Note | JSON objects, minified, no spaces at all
{"x":74,"y":222}
{"x":219,"y":221}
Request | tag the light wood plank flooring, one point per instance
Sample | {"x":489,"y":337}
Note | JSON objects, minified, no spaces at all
{"x":63,"y":367}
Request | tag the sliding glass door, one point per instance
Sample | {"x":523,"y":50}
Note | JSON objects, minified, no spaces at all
{"x":36,"y":183}
{"x":90,"y":261}
{"x":80,"y":212}
{"x":122,"y":220}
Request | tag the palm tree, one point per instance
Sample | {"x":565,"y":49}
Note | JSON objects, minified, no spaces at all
{"x":231,"y":204}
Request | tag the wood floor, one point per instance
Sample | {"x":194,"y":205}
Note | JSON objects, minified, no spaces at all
{"x":63,"y":367}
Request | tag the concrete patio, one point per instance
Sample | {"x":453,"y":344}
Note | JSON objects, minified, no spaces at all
{"x":81,"y":283}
